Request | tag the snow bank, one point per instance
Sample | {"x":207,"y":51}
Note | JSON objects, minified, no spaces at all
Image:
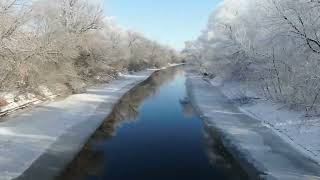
{"x":168,"y":66}
{"x":301,"y":132}
{"x":217,"y":81}
{"x":16,"y":101}
{"x":258,"y":149}
{"x":24,"y":138}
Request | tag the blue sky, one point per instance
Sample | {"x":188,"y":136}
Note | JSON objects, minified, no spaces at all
{"x":167,"y":21}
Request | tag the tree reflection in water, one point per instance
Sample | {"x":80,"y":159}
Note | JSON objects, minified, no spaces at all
{"x":218,"y":156}
{"x":90,"y":161}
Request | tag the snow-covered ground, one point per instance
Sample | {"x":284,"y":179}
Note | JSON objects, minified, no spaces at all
{"x":15,"y":101}
{"x":55,"y":127}
{"x":301,"y":132}
{"x":258,"y":148}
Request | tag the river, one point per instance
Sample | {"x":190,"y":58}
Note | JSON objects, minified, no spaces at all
{"x":153,"y":133}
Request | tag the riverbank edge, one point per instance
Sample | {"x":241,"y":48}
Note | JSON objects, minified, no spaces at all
{"x":253,"y":172}
{"x":292,"y":125}
{"x":60,"y":149}
{"x":251,"y":163}
{"x":13,"y":107}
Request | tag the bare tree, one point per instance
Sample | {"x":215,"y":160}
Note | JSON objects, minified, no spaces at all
{"x":67,"y":43}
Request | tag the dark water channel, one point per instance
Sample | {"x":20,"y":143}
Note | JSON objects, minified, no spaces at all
{"x":153,"y":134}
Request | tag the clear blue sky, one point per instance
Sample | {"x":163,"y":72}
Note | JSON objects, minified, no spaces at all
{"x":168,"y":21}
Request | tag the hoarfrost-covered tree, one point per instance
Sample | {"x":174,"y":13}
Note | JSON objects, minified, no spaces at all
{"x":275,"y":42}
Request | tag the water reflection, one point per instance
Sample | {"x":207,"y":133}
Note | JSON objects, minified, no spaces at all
{"x":90,"y":161}
{"x":217,"y":155}
{"x":166,"y":140}
{"x":127,"y":109}
{"x":219,"y":158}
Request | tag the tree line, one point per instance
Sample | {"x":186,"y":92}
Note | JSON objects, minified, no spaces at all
{"x":68,"y":43}
{"x":273,"y":42}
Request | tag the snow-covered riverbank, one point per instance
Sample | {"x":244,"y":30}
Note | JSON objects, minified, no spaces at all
{"x":57,"y":129}
{"x":10,"y":102}
{"x":293,"y":126}
{"x":259,"y":149}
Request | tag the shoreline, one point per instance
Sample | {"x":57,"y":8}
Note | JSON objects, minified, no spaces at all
{"x":260,"y":151}
{"x":14,"y":107}
{"x":58,"y":129}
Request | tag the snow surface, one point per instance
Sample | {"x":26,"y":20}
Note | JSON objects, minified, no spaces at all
{"x":16,"y":101}
{"x":259,"y":150}
{"x":301,"y":132}
{"x":25,"y":137}
{"x":169,"y":65}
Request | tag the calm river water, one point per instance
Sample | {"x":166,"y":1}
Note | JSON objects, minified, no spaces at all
{"x":154,"y":134}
